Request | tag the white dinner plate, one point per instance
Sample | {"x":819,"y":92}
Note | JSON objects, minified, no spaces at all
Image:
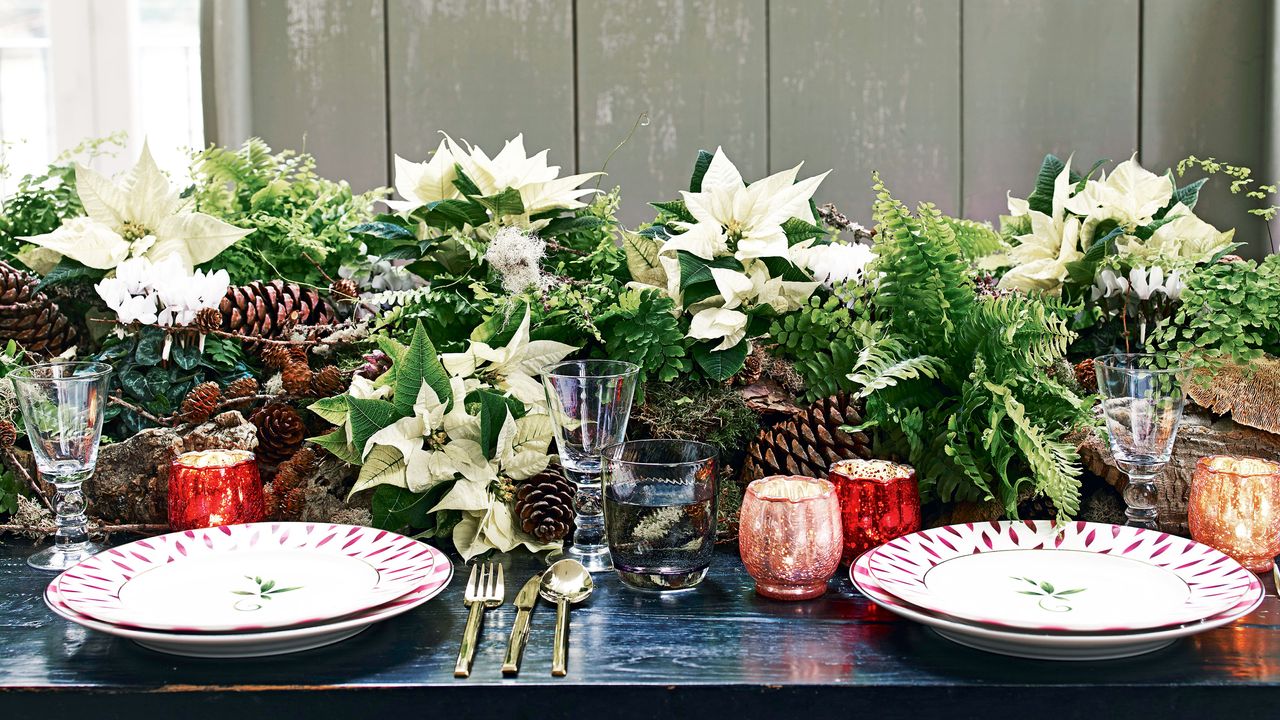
{"x":243,"y":578}
{"x":1077,"y":577}
{"x":1046,"y":645}
{"x":263,"y":643}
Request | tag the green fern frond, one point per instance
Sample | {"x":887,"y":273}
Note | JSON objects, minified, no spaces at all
{"x":976,"y":239}
{"x":1055,"y":465}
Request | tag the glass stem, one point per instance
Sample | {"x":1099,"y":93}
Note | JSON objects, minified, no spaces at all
{"x":1140,"y":499}
{"x":69,"y":506}
{"x":588,"y":514}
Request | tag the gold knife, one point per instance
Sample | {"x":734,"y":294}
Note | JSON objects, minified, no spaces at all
{"x":525,"y":600}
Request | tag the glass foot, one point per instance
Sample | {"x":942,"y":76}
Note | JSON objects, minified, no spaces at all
{"x":594,"y":559}
{"x":663,"y":582}
{"x":56,"y":559}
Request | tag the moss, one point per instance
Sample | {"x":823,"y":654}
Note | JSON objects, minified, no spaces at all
{"x":696,"y":411}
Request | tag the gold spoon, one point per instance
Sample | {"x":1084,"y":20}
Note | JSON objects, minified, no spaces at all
{"x":565,"y":582}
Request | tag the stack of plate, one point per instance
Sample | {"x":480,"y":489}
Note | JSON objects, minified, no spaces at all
{"x":250,"y":590}
{"x":1082,"y":591}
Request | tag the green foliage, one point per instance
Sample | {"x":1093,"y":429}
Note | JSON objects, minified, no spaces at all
{"x":295,"y":212}
{"x":1241,"y":180}
{"x":1229,"y":311}
{"x":698,"y":410}
{"x":958,"y":382}
{"x":143,"y":377}
{"x":641,"y":328}
{"x":976,"y":239}
{"x":821,"y":341}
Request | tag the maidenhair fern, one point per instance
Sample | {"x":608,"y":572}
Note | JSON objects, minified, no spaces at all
{"x":958,"y":382}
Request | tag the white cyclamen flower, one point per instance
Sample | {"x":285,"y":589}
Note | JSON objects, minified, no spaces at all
{"x":729,"y":213}
{"x":139,"y":216}
{"x":835,"y":263}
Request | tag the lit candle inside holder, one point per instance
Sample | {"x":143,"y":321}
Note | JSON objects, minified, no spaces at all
{"x":1235,"y":508}
{"x":879,"y":501}
{"x":208,"y":488}
{"x":789,"y":536}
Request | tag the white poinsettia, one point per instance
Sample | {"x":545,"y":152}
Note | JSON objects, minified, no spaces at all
{"x":138,"y":216}
{"x":1184,"y":238}
{"x":1131,"y":196}
{"x":717,"y":323}
{"x":732,"y":217}
{"x":488,"y":522}
{"x":425,"y":182}
{"x":540,"y":186}
{"x":514,"y":368}
{"x":433,"y":445}
{"x":1040,"y":258}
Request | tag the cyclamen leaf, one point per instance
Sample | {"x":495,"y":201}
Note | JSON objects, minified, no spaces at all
{"x":384,"y":231}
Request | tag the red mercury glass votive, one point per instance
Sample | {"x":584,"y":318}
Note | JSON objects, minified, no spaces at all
{"x":790,"y":536}
{"x":879,"y":501}
{"x":208,"y":488}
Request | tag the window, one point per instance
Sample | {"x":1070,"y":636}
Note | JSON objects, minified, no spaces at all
{"x":77,"y":69}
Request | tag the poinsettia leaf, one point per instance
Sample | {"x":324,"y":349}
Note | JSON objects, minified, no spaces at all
{"x":370,"y":416}
{"x":384,"y":465}
{"x":452,"y":213}
{"x":1188,"y":195}
{"x":507,"y":202}
{"x":336,"y":443}
{"x":642,"y":258}
{"x":675,"y":208}
{"x":420,"y":364}
{"x":334,"y":410}
{"x":568,"y":224}
{"x":1041,"y":199}
{"x":700,"y":167}
{"x":465,"y":184}
{"x":493,"y":412}
{"x":720,"y":365}
{"x":798,"y":230}
{"x":783,"y":268}
{"x":395,"y":508}
{"x":694,"y":269}
{"x":69,"y":271}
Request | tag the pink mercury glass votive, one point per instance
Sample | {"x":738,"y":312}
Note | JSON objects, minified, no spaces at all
{"x":790,"y":536}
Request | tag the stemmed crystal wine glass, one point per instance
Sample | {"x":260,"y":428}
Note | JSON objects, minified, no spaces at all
{"x":62,"y":405}
{"x":590,"y":403}
{"x":1142,"y":399}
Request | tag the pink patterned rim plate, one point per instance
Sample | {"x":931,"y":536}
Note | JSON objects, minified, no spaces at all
{"x":1079,"y":577}
{"x":1043,"y":645}
{"x":270,"y":642}
{"x":245,"y":578}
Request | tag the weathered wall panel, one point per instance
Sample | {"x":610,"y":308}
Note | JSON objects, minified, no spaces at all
{"x":1044,"y":76}
{"x":862,"y":85}
{"x":697,"y":68}
{"x":317,"y":83}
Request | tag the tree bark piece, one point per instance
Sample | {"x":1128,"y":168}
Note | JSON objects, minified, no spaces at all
{"x":1197,"y":438}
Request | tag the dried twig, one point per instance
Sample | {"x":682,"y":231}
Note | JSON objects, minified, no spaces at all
{"x":19,"y":468}
{"x":324,"y":274}
{"x":117,"y":400}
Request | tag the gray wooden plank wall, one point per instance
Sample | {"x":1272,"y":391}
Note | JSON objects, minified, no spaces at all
{"x":953,"y":101}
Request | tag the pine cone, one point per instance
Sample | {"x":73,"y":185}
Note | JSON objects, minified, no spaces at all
{"x":200,"y":403}
{"x":1086,"y":375}
{"x":275,"y":357}
{"x":297,"y":379}
{"x":344,"y":290}
{"x":207,"y":320}
{"x":8,"y":433}
{"x":752,"y":368}
{"x":271,"y":309}
{"x":544,"y":504}
{"x":280,"y":432}
{"x":242,"y":387}
{"x":305,"y":461}
{"x":286,"y":494}
{"x":329,"y":381}
{"x":808,"y":443}
{"x":30,"y":318}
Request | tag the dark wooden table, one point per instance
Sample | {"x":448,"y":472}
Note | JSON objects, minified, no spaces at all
{"x":719,"y":651}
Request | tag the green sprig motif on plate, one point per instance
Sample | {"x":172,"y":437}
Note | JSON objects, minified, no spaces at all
{"x":266,"y":590}
{"x":1059,"y":600}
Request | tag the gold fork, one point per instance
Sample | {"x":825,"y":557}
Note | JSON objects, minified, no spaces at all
{"x":484,"y":590}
